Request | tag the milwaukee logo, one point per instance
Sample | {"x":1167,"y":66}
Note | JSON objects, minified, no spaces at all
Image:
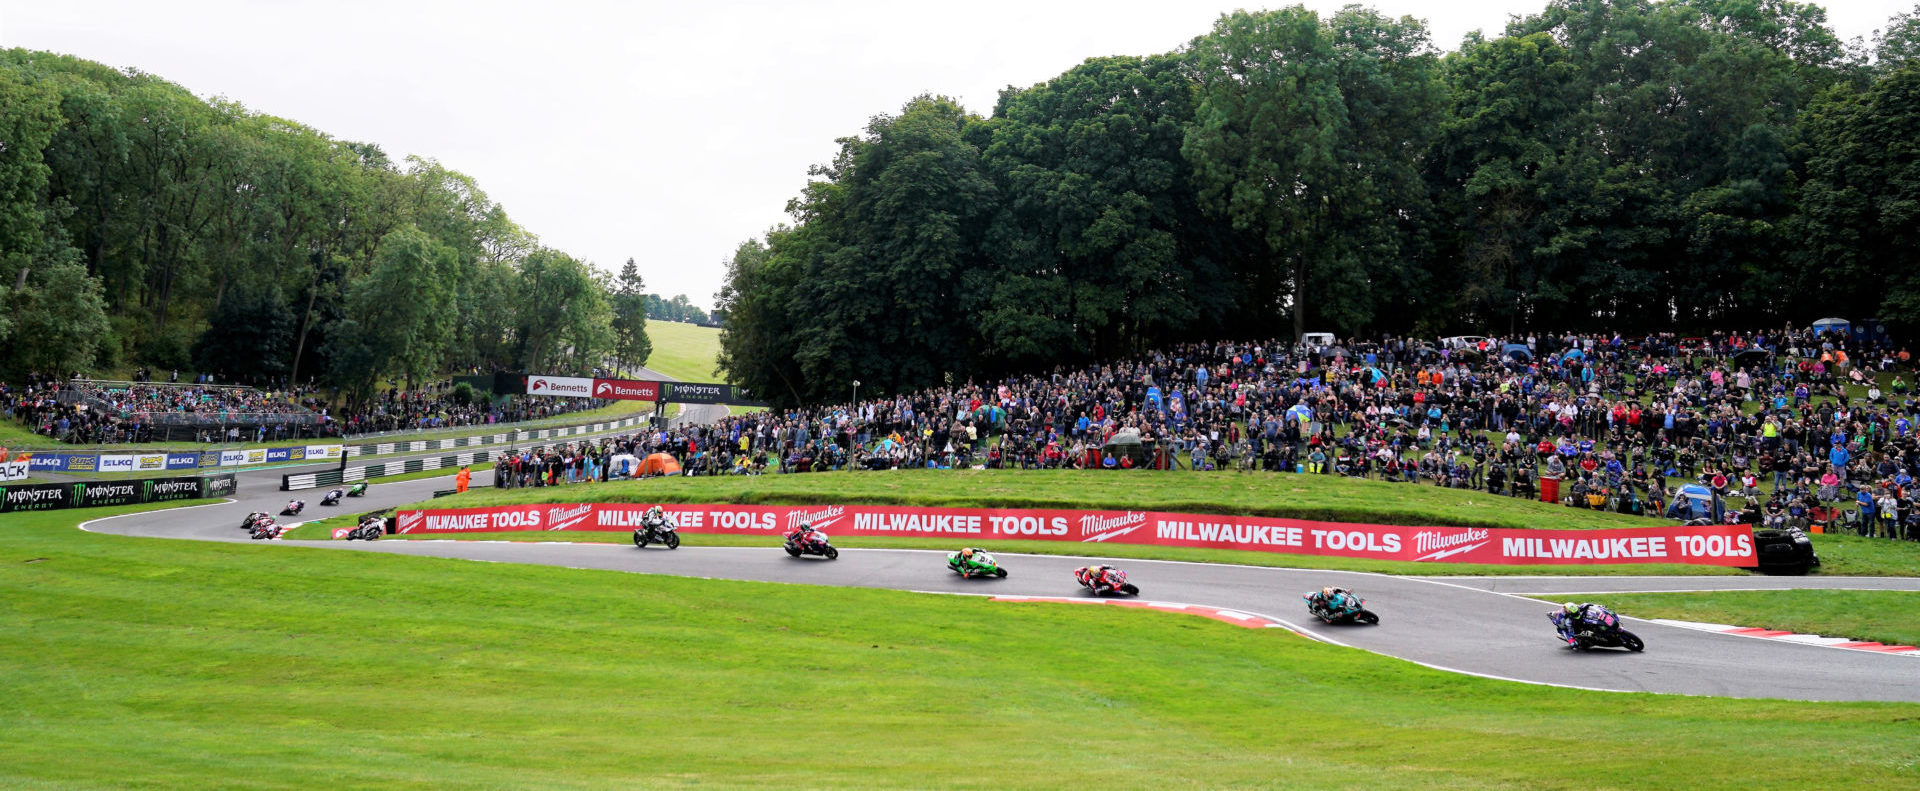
{"x":1434,"y":546}
{"x":563,"y":518}
{"x":1094,"y":527}
{"x":819,"y":519}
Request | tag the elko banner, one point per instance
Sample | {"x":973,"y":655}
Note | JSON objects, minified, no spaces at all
{"x":1713,"y":545}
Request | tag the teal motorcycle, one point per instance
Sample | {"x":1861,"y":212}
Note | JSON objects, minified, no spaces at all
{"x":970,"y":563}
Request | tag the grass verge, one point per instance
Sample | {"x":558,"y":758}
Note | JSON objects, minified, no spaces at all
{"x":686,"y":352}
{"x":1891,"y":617}
{"x":189,"y":665}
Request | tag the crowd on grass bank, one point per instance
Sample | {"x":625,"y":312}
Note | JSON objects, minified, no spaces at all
{"x":104,"y":413}
{"x":1782,"y":427}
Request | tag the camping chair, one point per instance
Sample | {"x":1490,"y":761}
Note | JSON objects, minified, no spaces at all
{"x":1819,"y":518}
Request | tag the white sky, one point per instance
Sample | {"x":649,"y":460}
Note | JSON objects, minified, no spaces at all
{"x":663,"y":131}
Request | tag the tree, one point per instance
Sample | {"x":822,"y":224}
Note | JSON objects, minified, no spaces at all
{"x":248,"y":336}
{"x":1860,"y":208}
{"x":399,"y":318}
{"x":1306,"y":138}
{"x":630,"y":341}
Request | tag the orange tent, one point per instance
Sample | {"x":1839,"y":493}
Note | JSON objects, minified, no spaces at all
{"x":657,"y":464}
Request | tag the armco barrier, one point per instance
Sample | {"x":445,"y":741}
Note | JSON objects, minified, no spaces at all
{"x":51,"y":496}
{"x":1714,"y":545}
{"x":314,"y":480}
{"x":514,"y":436}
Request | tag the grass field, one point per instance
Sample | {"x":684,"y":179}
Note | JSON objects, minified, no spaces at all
{"x":1891,"y":617}
{"x":161,"y":664}
{"x":684,"y":351}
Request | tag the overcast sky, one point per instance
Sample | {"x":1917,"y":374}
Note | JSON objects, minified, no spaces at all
{"x":666,"y":132}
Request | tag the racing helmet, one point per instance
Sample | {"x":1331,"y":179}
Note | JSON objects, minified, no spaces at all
{"x":1570,"y":608}
{"x":966,"y":553}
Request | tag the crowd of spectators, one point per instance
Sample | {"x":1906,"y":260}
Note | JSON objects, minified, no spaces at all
{"x":91,"y":412}
{"x":1783,"y":426}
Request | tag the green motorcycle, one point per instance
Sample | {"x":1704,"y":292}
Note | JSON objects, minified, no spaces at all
{"x":358,"y":489}
{"x":971,"y":562}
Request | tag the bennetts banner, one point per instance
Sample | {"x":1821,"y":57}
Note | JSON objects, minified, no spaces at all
{"x":1712,"y":545}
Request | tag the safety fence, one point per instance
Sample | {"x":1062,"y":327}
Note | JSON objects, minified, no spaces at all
{"x":167,"y":461}
{"x":508,"y":437}
{"x":52,"y":496}
{"x":1712,"y":545}
{"x":314,"y":480}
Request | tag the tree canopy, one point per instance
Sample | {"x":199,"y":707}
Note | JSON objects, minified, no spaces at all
{"x":140,"y":224}
{"x":1624,"y":165}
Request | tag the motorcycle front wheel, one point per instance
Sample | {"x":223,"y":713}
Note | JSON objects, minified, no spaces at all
{"x":673,"y":540}
{"x":1001,"y":572}
{"x":1367,"y":617}
{"x":1631,"y":642}
{"x":831,"y":553}
{"x":1130,"y":589}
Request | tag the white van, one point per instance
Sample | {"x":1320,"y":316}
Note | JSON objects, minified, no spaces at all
{"x":1462,"y":342}
{"x":1315,"y":341}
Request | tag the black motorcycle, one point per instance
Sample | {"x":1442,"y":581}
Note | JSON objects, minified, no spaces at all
{"x":662,"y":533}
{"x":333,"y":497}
{"x":253,"y":519}
{"x":1599,"y":629}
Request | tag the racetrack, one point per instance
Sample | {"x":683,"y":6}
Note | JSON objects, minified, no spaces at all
{"x":1480,"y":626}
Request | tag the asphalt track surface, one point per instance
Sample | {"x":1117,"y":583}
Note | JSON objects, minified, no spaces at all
{"x":1485,"y":626}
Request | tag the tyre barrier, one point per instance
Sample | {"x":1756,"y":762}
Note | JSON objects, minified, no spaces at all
{"x":314,"y":480}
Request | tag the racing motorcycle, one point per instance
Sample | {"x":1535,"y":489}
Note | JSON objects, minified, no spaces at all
{"x":294,"y":507}
{"x":357,"y":490}
{"x":1115,"y":582}
{"x":810,"y":542}
{"x":1338,"y":606}
{"x":266,"y":529}
{"x":981,"y":564}
{"x":333,"y":497}
{"x":254,"y":518}
{"x":662,"y":532}
{"x":369,"y":530}
{"x":1599,"y":628}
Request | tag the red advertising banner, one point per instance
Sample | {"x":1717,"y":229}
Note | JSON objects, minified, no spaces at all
{"x":1714,"y":545}
{"x":626,"y":389}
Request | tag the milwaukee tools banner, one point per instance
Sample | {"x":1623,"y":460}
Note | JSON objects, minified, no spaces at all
{"x":626,"y":389}
{"x":1713,"y":545}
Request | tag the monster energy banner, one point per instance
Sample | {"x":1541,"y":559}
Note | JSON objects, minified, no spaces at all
{"x":49,"y":496}
{"x":705,"y":393}
{"x":88,"y":495}
{"x":160,"y":490}
{"x":33,"y":497}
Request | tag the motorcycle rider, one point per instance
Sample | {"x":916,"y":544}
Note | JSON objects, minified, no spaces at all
{"x":1095,"y":577}
{"x":295,"y":505}
{"x":654,"y":519}
{"x":801,"y":535}
{"x":1572,"y":617}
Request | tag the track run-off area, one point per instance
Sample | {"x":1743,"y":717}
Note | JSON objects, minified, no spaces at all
{"x":1493,"y":627}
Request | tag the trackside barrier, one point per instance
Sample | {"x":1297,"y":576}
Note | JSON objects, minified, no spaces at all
{"x":52,"y":496}
{"x":314,"y":480}
{"x":515,"y":436}
{"x":1712,"y":545}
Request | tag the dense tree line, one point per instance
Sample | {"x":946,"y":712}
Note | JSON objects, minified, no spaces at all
{"x":142,"y":225}
{"x":1604,"y":164}
{"x":679,"y":308}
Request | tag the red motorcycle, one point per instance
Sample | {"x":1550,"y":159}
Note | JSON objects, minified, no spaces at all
{"x":810,"y":542}
{"x":1105,"y":581}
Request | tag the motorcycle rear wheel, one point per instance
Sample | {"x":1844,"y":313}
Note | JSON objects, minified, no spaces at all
{"x":639,"y":539}
{"x":1631,"y":642}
